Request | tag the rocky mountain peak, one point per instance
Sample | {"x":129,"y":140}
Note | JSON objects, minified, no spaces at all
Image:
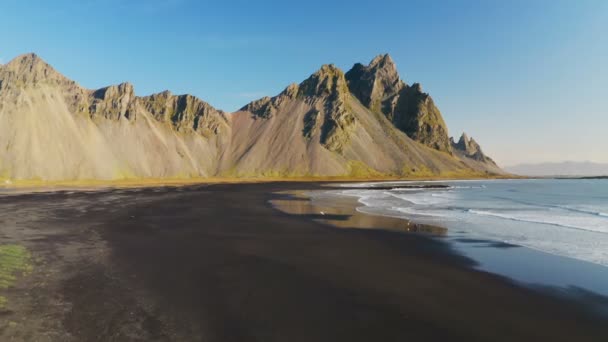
{"x":377,"y":84}
{"x":27,"y":62}
{"x":470,"y":148}
{"x":417,"y":87}
{"x":125,"y":89}
{"x":291,"y":91}
{"x":328,"y":119}
{"x":268,"y":106}
{"x":329,"y":88}
{"x":417,"y":115}
{"x":383,"y":62}
{"x":467,"y":144}
{"x":326,"y":81}
{"x":185,"y":112}
{"x":379,"y":88}
{"x":30,"y":69}
{"x":114,"y":102}
{"x":463,"y":142}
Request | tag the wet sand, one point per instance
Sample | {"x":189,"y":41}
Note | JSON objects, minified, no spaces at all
{"x":219,"y":263}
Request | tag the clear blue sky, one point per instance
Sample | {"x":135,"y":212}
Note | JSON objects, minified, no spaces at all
{"x":527,"y":79}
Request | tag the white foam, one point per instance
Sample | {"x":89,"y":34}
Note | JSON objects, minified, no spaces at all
{"x":371,"y":185}
{"x":595,"y":212}
{"x":423,"y":198}
{"x":571,"y":222}
{"x":428,"y":213}
{"x":563,"y":218}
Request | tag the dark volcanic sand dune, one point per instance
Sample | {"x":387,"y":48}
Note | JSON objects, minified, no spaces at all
{"x":218,"y":263}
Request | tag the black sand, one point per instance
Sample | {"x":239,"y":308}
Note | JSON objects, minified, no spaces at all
{"x":218,"y":263}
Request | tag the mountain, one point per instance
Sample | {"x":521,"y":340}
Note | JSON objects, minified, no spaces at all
{"x":364,"y":123}
{"x":468,"y":149}
{"x":568,"y":168}
{"x":379,"y":88}
{"x":52,"y":129}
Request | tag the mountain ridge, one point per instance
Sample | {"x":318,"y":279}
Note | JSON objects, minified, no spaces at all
{"x":320,"y":125}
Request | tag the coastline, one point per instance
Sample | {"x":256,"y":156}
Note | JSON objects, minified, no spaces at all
{"x":220,"y":263}
{"x":35,"y":184}
{"x":524,"y":265}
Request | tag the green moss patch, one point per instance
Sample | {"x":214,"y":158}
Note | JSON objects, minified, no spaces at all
{"x":15,"y":260}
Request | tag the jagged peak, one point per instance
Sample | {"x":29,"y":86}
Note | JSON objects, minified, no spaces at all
{"x":468,"y":145}
{"x":471,"y":149}
{"x":464,"y":139}
{"x":26,"y":59}
{"x":377,"y":84}
{"x":291,"y":91}
{"x":382,"y":61}
{"x":417,"y":87}
{"x":329,"y":79}
{"x":116,"y":90}
{"x":261,"y":107}
{"x":167,"y":94}
{"x":128,"y":86}
{"x":266,"y":106}
{"x":195,"y":102}
{"x":382,"y":68}
{"x":164,"y":93}
{"x":30,"y":68}
{"x":185,"y":112}
{"x":328,"y":69}
{"x":464,"y":143}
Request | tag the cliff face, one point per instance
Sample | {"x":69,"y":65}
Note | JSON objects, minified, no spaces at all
{"x":364,"y":123}
{"x":379,"y":88}
{"x":377,"y":85}
{"x":114,"y":102}
{"x":186,"y":113}
{"x":328,"y":90}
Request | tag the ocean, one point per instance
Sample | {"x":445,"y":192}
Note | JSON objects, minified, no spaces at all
{"x":567,"y":218}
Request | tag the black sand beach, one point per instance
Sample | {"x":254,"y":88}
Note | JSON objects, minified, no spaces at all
{"x":219,"y":263}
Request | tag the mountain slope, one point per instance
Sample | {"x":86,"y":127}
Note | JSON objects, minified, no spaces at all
{"x":53,"y":129}
{"x":320,"y":128}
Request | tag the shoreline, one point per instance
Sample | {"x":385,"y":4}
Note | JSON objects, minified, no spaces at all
{"x":220,"y":263}
{"x":535,"y":268}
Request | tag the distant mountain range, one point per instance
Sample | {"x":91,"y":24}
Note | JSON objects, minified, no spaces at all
{"x":363,"y":123}
{"x":568,"y":168}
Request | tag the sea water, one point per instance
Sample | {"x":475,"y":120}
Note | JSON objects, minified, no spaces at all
{"x":541,"y":232}
{"x":563,"y":217}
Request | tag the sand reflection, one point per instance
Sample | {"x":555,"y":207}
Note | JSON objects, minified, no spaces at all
{"x":342,"y":213}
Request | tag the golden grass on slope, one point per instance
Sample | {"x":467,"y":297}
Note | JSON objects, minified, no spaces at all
{"x":154,"y":182}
